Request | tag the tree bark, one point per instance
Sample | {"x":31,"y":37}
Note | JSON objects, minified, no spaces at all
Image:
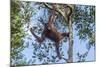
{"x":70,"y":50}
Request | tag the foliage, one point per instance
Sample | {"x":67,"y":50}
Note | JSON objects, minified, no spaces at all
{"x":26,"y":12}
{"x":84,"y":20}
{"x":17,"y":31}
{"x":82,"y":57}
{"x":84,"y":24}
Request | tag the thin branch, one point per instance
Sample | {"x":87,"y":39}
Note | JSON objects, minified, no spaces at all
{"x":57,"y":10}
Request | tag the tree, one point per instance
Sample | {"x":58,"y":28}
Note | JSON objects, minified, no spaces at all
{"x":16,"y":33}
{"x":17,"y":30}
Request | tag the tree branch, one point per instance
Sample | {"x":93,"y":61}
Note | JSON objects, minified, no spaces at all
{"x":59,"y":10}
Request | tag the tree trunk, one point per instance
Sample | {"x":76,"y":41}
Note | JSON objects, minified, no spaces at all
{"x":70,"y":50}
